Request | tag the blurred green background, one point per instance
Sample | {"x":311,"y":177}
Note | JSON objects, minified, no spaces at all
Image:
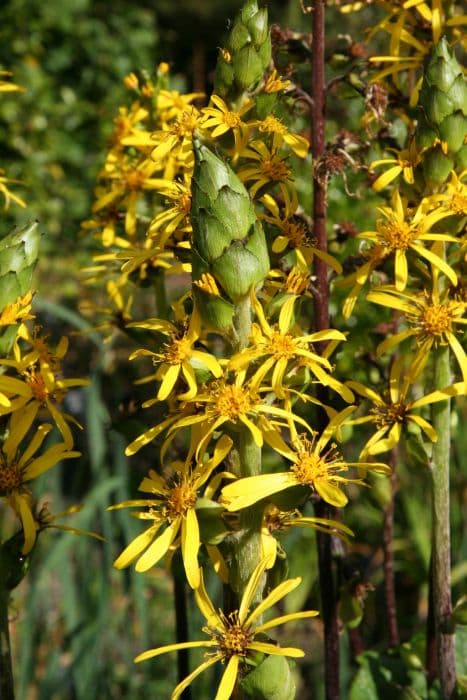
{"x":79,"y":622}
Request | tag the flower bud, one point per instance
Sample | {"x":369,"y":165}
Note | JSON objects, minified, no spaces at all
{"x":249,"y":47}
{"x":443,"y":119}
{"x":229,"y":247}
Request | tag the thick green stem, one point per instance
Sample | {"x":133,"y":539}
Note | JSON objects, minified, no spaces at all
{"x":247,"y":461}
{"x":441,"y":541}
{"x":6,"y":670}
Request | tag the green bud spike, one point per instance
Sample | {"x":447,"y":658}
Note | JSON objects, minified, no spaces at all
{"x":227,"y":239}
{"x":248,"y":68}
{"x":249,"y":45}
{"x":18,"y":256}
{"x":437,"y":166}
{"x":452,"y":131}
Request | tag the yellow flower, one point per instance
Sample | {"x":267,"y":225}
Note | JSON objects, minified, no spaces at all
{"x":315,"y":464}
{"x":236,"y":638}
{"x":285,"y":352}
{"x":128,"y":180}
{"x":236,"y":402}
{"x":178,"y":139}
{"x":431,"y":320}
{"x":175,"y":218}
{"x":177,"y":359}
{"x":117,"y":316}
{"x":9,"y":196}
{"x":392,"y":410}
{"x":17,"y":470}
{"x":404,"y":162}
{"x":172,"y":504}
{"x":280,"y":134}
{"x":271,"y":169}
{"x":275,"y":83}
{"x":222,"y":120}
{"x":18,"y":311}
{"x":400,"y":230}
{"x":172,"y":103}
{"x":295,"y":233}
{"x":277,"y":521}
{"x":41,"y":386}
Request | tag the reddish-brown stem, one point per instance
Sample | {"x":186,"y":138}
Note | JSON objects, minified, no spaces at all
{"x":321,"y":311}
{"x":388,"y":533}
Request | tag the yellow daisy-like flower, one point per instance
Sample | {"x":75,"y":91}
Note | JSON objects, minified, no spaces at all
{"x":315,"y":464}
{"x":172,"y":504}
{"x":17,"y":470}
{"x":178,"y":358}
{"x":285,"y":352}
{"x":404,"y":162}
{"x":175,"y":216}
{"x":454,"y":194}
{"x":127,"y":123}
{"x":392,"y":410}
{"x":178,"y":139}
{"x":171,"y":103}
{"x":128,"y":180}
{"x":116,"y":316}
{"x":276,"y":521}
{"x":276,"y":83}
{"x":41,"y":386}
{"x":233,"y":639}
{"x":431,"y":320}
{"x":373,"y":256}
{"x":280,"y":134}
{"x":18,"y":311}
{"x":271,"y":169}
{"x":294,"y":233}
{"x":398,"y":231}
{"x":224,"y":402}
{"x":222,"y":120}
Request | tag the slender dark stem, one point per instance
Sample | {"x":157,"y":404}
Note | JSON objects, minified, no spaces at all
{"x":181,"y":627}
{"x":6,"y":670}
{"x":321,"y":311}
{"x":388,"y":565}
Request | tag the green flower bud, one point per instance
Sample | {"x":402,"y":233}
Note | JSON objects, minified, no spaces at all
{"x":258,"y":27}
{"x":452,"y":131}
{"x":461,"y":159}
{"x":249,"y":45}
{"x":437,"y":166}
{"x":18,"y":256}
{"x":229,"y":254}
{"x":248,"y":67}
{"x":270,"y":680}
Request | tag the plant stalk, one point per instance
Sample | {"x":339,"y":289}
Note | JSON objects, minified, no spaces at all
{"x":181,"y":625}
{"x":441,"y":539}
{"x":388,"y":553}
{"x":7,"y":691}
{"x":321,"y":313}
{"x":246,"y":462}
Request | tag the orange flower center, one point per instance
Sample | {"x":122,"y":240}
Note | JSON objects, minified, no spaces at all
{"x":36,"y":382}
{"x":182,"y":497}
{"x":232,"y":401}
{"x":396,"y":235}
{"x":389,"y":414}
{"x":134,"y":179}
{"x":274,"y":168}
{"x":234,"y":639}
{"x":437,"y":318}
{"x":185,"y":125}
{"x":311,"y":467}
{"x":10,"y":478}
{"x":295,"y":232}
{"x":231,"y":119}
{"x":178,"y":352}
{"x":271,"y":125}
{"x":282,"y":346}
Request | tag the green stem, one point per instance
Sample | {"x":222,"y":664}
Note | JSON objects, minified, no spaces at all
{"x":7,"y":691}
{"x":247,"y":462}
{"x":441,"y":545}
